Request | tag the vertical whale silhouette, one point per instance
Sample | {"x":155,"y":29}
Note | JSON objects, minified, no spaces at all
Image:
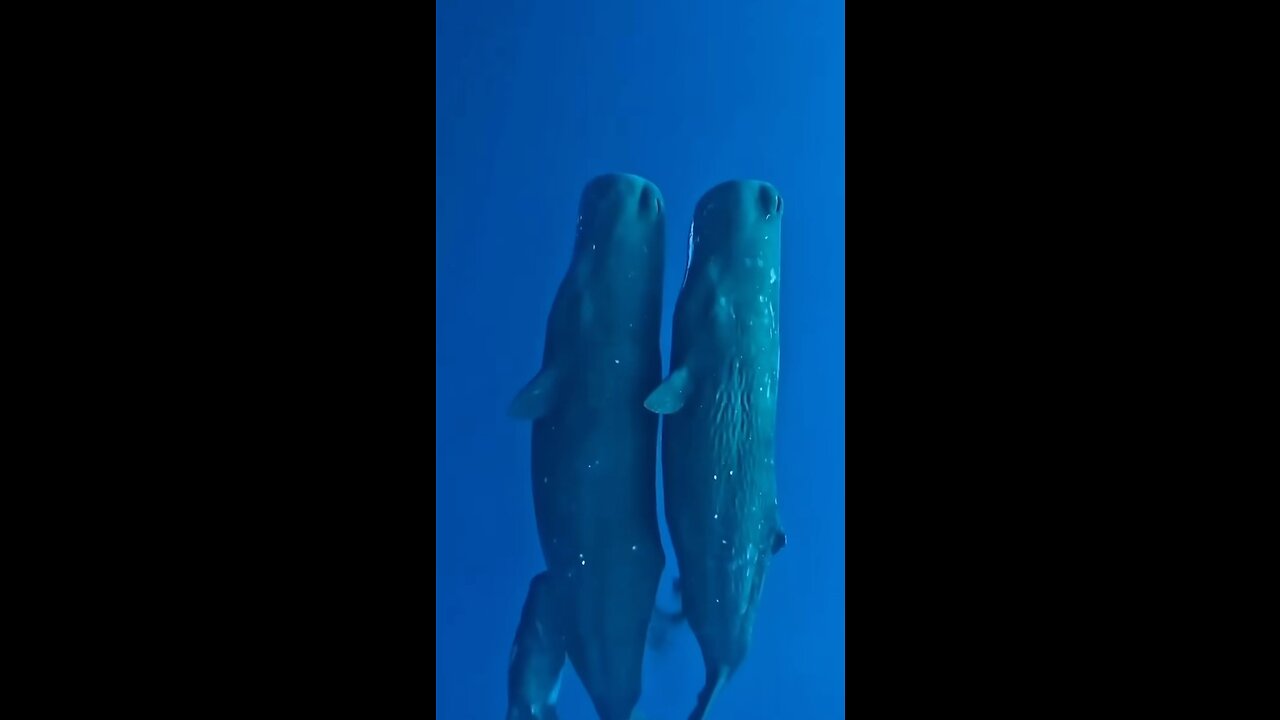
{"x":720,"y":403}
{"x":595,"y":458}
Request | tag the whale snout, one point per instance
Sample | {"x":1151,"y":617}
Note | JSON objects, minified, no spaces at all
{"x":623,"y":194}
{"x":621,"y":218}
{"x":745,"y":200}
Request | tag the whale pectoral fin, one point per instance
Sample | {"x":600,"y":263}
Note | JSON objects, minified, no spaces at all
{"x":669,"y":397}
{"x":779,"y":541}
{"x":536,"y":398}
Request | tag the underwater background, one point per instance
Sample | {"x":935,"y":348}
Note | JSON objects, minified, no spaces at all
{"x":533,"y":99}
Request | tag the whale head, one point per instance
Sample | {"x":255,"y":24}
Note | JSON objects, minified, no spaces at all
{"x":736,"y":237}
{"x":731,"y":289}
{"x":621,"y":219}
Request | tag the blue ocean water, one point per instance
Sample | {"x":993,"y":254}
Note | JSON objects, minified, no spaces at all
{"x":533,"y":100}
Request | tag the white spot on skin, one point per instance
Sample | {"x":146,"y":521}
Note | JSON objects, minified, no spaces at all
{"x":773,"y":276}
{"x":689,"y":263}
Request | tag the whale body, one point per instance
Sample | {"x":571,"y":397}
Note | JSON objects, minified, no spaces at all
{"x":719,"y":404}
{"x":595,"y":451}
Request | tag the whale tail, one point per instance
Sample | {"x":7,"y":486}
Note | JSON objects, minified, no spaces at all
{"x":716,"y":678}
{"x":537,"y":654}
{"x":664,"y":621}
{"x":547,"y":712}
